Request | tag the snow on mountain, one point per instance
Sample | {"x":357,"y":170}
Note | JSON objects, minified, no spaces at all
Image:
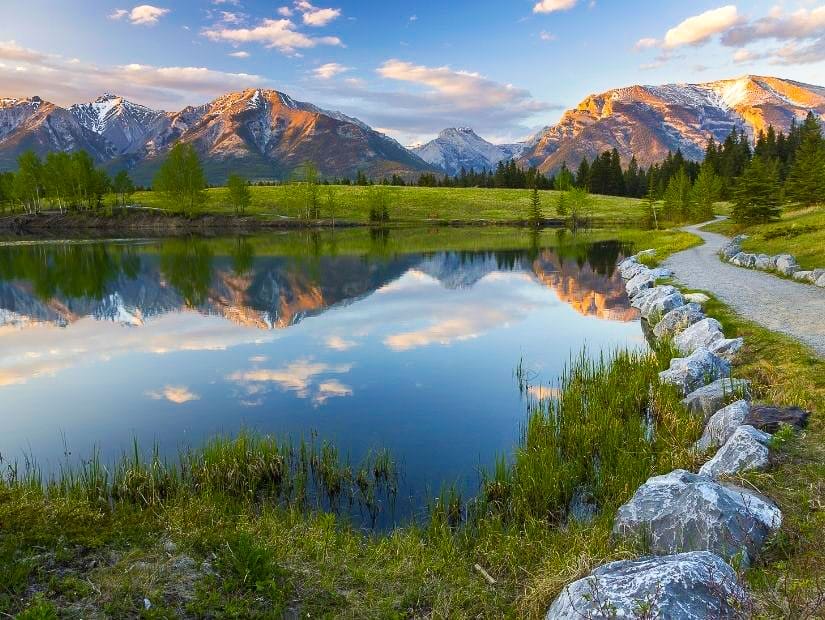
{"x":126,"y":125}
{"x":457,"y":148}
{"x":649,"y":121}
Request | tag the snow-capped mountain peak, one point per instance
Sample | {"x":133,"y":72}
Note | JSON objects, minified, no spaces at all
{"x":461,"y":147}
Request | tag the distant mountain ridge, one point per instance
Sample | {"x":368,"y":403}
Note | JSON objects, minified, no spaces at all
{"x":263,"y":134}
{"x":457,"y":148}
{"x":649,"y":121}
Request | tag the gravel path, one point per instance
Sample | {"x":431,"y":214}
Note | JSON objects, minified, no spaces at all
{"x":778,"y":304}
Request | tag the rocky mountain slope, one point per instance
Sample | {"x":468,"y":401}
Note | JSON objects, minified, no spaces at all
{"x":455,"y":149}
{"x":648,"y":121}
{"x":261,"y":133}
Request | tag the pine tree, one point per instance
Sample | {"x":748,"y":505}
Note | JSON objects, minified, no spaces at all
{"x":706,"y":191}
{"x":757,"y":195}
{"x":678,"y":198}
{"x":806,"y":180}
{"x":534,"y":213}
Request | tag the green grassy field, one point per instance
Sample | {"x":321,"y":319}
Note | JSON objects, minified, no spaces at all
{"x":414,"y":204}
{"x":800,"y":232}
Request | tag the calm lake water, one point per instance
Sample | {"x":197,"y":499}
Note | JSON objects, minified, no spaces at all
{"x":405,"y":340}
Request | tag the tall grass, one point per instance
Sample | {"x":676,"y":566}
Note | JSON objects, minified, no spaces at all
{"x":611,"y":427}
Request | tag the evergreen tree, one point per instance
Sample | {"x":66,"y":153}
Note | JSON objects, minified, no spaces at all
{"x":757,"y":196}
{"x":706,"y":191}
{"x":806,"y":180}
{"x":534,"y":213}
{"x":678,"y":197}
{"x":583,"y":175}
{"x":181,"y":179}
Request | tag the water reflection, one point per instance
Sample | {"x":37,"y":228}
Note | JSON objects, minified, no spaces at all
{"x":392,"y":339}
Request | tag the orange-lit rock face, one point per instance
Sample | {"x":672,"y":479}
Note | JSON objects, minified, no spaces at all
{"x":648,"y":121}
{"x":588,"y":292}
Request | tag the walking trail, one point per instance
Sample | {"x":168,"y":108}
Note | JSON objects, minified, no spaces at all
{"x":791,"y":308}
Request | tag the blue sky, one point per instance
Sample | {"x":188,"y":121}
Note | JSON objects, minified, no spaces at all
{"x":504,"y":67}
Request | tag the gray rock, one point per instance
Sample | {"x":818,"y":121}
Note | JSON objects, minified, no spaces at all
{"x":681,"y":511}
{"x":745,"y":450}
{"x":727,"y":348}
{"x":661,"y":272}
{"x":786,"y":264}
{"x":692,"y":372}
{"x":804,"y":276}
{"x":722,"y":424}
{"x":765,"y":262}
{"x":657,"y":301}
{"x":641,"y":281}
{"x":626,"y":265}
{"x":820,"y":281}
{"x":701,"y":334}
{"x":730,"y":250}
{"x":633,"y":270}
{"x":744,"y":259}
{"x":648,"y":252}
{"x":709,"y":399}
{"x":768,"y":418}
{"x":696,"y":298}
{"x":677,"y":320}
{"x":687,"y":586}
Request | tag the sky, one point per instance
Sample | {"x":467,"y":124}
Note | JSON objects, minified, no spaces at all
{"x":408,"y":68}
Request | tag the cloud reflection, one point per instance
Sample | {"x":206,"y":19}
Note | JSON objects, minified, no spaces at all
{"x":177,"y":394}
{"x":304,"y":377}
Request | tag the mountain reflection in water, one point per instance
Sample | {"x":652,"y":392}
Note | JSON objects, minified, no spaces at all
{"x":366,"y":340}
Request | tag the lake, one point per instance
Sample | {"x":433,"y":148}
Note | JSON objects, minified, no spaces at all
{"x":398,"y":339}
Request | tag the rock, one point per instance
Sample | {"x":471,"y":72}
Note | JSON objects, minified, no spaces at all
{"x":681,"y":511}
{"x":820,"y":281}
{"x":696,"y":298}
{"x":687,"y":586}
{"x":661,"y":272}
{"x":803,"y":276}
{"x":744,"y":259}
{"x":727,"y":348}
{"x":678,"y":320}
{"x":169,"y":546}
{"x":722,"y":424}
{"x":648,"y":252}
{"x":786,"y":264}
{"x":709,"y":399}
{"x":583,"y":507}
{"x":641,"y":281}
{"x":147,"y":604}
{"x":627,"y":264}
{"x":657,"y":301}
{"x":733,"y":247}
{"x":692,"y":372}
{"x":765,"y":262}
{"x":768,"y":418}
{"x":701,"y":334}
{"x":633,"y":270}
{"x":745,"y":450}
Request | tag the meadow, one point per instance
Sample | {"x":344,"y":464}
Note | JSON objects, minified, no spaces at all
{"x":411,"y":204}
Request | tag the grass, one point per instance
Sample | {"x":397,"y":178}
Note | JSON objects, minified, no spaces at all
{"x":800,"y":232}
{"x":213,"y":536}
{"x":415,"y":204}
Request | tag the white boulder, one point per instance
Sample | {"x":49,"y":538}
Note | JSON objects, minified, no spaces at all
{"x":786,"y":264}
{"x":722,"y":424}
{"x":678,"y":319}
{"x":699,"y":368}
{"x":701,"y":334}
{"x":707,"y":400}
{"x":745,"y":450}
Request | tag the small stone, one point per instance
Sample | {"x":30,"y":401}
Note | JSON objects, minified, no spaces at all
{"x":786,"y":264}
{"x":692,"y":372}
{"x":722,"y":425}
{"x":765,"y":262}
{"x":803,"y":276}
{"x":769,"y":418}
{"x":677,"y":320}
{"x":696,"y":298}
{"x":745,"y":450}
{"x":147,"y":604}
{"x":687,"y":586}
{"x":744,"y":259}
{"x":709,"y":399}
{"x":821,"y":281}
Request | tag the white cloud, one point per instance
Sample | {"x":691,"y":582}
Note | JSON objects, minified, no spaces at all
{"x":699,"y":28}
{"x":143,"y":15}
{"x":228,"y":17}
{"x":285,"y":11}
{"x":547,"y":36}
{"x":273,"y":33}
{"x":165,"y":87}
{"x":646,"y":43}
{"x":551,"y":6}
{"x":337,"y":343}
{"x":329,"y":70}
{"x":240,"y":54}
{"x":314,"y":16}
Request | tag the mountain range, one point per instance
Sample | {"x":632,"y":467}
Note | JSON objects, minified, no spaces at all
{"x":266,"y":134}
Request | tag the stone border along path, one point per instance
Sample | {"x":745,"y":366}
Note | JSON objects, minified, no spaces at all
{"x":791,"y":308}
{"x":695,"y":527}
